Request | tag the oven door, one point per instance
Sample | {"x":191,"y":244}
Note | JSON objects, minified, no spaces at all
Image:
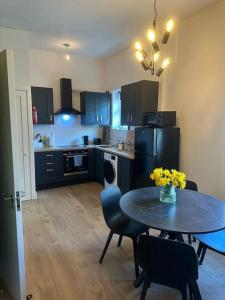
{"x":81,"y":162}
{"x":69,"y":167}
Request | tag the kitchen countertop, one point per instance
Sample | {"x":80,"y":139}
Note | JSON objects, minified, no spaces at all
{"x":115,"y":151}
{"x":109,"y":149}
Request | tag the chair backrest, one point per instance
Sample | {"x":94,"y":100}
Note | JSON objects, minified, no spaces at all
{"x":110,"y":198}
{"x":191,"y":185}
{"x":167,"y":262}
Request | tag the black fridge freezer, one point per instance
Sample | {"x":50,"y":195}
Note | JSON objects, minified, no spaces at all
{"x":155,"y":148}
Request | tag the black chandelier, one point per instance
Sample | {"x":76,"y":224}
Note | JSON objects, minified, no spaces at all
{"x":150,"y":57}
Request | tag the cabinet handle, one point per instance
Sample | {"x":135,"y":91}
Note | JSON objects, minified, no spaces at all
{"x":131,"y":118}
{"x":50,"y":170}
{"x":51,"y":118}
{"x":127,"y":118}
{"x":101,"y":118}
{"x":97,"y":118}
{"x":48,"y":164}
{"x":49,"y":155}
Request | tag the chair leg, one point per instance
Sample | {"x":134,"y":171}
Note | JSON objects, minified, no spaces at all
{"x":106,"y":246}
{"x":135,"y":257}
{"x":199,"y":251}
{"x":146,"y":285}
{"x":184,"y":294}
{"x":204,"y":248}
{"x":195,"y":290}
{"x":190,"y":292}
{"x":119,"y":241}
{"x":189,"y":239}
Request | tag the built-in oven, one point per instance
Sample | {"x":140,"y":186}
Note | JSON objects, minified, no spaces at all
{"x":75,"y":162}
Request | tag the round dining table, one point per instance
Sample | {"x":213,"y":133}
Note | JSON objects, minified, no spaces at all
{"x":193,"y":212}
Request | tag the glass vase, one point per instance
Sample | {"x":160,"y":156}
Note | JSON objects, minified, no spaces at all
{"x":168,"y":194}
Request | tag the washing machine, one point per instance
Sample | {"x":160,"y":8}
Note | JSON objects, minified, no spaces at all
{"x":110,"y":169}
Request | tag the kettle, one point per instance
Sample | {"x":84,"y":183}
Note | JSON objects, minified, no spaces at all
{"x":85,"y":138}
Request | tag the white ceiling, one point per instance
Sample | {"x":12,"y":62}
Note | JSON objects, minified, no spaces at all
{"x":94,"y":28}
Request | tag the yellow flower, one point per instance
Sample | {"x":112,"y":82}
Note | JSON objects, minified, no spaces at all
{"x":165,"y":177}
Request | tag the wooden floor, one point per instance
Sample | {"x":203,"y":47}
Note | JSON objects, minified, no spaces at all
{"x":64,"y":235}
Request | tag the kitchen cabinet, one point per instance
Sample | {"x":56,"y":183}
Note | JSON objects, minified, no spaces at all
{"x":95,"y":108}
{"x":125,"y":174}
{"x":42,"y":99}
{"x":136,"y":99}
{"x":91,"y":163}
{"x":99,"y":165}
{"x":48,"y":168}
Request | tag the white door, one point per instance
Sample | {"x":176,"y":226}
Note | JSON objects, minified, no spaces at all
{"x":24,"y":144}
{"x":12,"y":266}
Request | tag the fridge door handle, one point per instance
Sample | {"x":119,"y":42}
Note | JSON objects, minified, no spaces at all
{"x":155,"y":142}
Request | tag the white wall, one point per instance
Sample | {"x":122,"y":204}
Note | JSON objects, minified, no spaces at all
{"x":46,"y":69}
{"x":17,"y":40}
{"x":196,"y":89}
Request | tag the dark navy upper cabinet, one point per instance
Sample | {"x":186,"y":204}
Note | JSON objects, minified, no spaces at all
{"x":95,"y":108}
{"x":42,"y":99}
{"x":136,"y":99}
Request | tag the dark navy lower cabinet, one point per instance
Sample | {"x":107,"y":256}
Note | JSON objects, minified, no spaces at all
{"x":99,"y":165}
{"x":48,"y":168}
{"x":125,"y":174}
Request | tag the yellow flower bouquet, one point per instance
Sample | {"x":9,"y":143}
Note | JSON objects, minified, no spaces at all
{"x":168,"y":180}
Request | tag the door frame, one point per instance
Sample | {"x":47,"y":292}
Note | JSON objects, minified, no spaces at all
{"x":27,"y":94}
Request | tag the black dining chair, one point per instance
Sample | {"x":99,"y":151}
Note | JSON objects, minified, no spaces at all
{"x":214,"y":241}
{"x":119,"y":223}
{"x":191,"y":185}
{"x":170,"y":263}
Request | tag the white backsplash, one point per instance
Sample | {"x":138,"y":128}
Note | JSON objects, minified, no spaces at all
{"x":68,"y":132}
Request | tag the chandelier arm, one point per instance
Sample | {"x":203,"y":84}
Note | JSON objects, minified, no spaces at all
{"x":156,"y":14}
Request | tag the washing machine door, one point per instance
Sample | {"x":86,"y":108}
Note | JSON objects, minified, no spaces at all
{"x":109,"y":171}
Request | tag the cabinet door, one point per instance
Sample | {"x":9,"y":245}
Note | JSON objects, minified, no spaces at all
{"x":125,"y":174}
{"x":91,"y":163}
{"x":88,"y":116}
{"x":136,"y":109}
{"x":103,"y":108}
{"x":99,"y":162}
{"x":42,"y":99}
{"x":125,"y":105}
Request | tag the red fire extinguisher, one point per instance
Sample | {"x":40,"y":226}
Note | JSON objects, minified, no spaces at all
{"x":34,"y":115}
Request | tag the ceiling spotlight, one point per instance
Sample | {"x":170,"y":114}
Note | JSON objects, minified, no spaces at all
{"x":66,"y":45}
{"x":67,"y":57}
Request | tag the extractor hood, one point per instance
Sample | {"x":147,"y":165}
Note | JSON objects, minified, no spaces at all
{"x":66,"y":98}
